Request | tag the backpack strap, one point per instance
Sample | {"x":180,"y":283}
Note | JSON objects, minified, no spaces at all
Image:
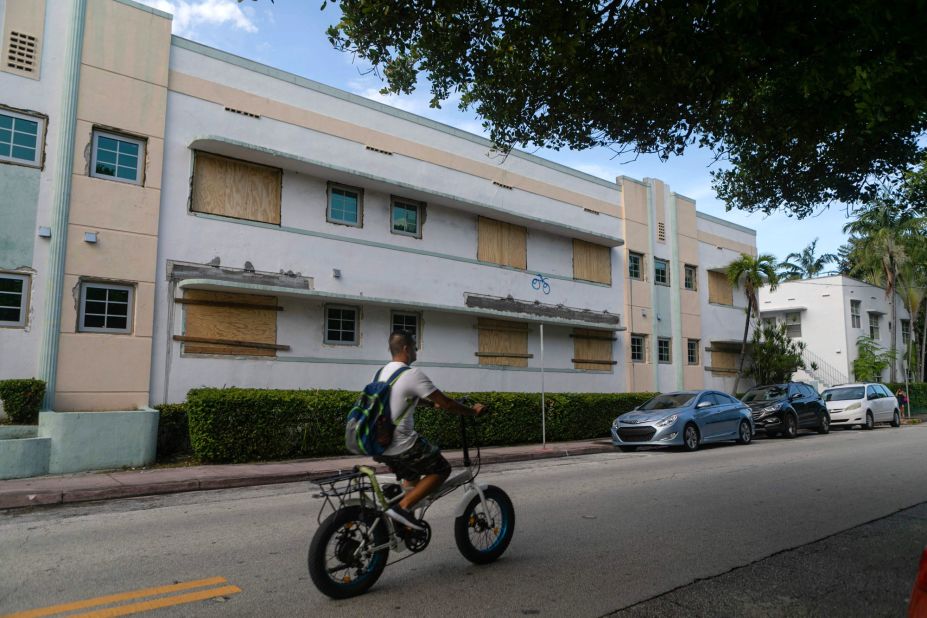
{"x":392,"y":380}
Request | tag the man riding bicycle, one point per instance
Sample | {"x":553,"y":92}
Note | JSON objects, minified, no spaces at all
{"x":415,"y":461}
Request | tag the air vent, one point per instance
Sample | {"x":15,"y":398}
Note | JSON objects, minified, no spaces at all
{"x":380,"y":150}
{"x":661,"y":232}
{"x":243,"y":113}
{"x":499,"y":184}
{"x":21,"y":52}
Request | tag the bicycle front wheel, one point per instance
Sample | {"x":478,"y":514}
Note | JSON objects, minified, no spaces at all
{"x":483,"y":535}
{"x":340,"y":562}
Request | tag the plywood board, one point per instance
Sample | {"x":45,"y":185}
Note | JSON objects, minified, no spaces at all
{"x":233,"y":323}
{"x":503,"y":337}
{"x":502,"y":243}
{"x":598,"y":346}
{"x":592,"y":262}
{"x":233,"y":188}
{"x":724,"y":360}
{"x":720,"y":291}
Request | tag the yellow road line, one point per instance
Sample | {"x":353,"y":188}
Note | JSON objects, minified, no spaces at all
{"x":114,"y":598}
{"x":147,"y":606}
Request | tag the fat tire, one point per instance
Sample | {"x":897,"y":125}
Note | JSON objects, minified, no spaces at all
{"x":740,"y":433}
{"x":462,"y":527}
{"x":320,"y":540}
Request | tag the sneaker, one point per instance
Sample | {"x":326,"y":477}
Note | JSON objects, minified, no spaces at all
{"x":402,"y":516}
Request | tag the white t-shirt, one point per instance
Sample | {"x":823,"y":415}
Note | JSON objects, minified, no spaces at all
{"x":405,"y":394}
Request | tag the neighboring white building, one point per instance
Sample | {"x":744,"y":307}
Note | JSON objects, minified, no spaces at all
{"x":829,"y":314}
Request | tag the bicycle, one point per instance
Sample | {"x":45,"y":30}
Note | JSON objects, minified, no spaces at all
{"x":540,"y":281}
{"x":351,"y":547}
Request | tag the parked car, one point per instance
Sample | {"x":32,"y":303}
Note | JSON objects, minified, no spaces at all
{"x":863,"y":404}
{"x":917,"y":606}
{"x":685,"y":418}
{"x":786,"y":408}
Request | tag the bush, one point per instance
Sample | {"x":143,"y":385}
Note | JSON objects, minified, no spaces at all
{"x":239,"y":425}
{"x":22,"y":400}
{"x":173,"y":431}
{"x":918,"y":393}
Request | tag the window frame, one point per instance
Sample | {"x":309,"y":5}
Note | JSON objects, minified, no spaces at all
{"x":418,"y":324}
{"x":121,"y":137}
{"x":669,"y":350}
{"x":640,"y":265}
{"x":42,"y":121}
{"x":666,"y":271}
{"x":357,"y":319}
{"x":876,"y":327}
{"x":856,"y":320}
{"x":643,"y":346}
{"x":359,"y":191}
{"x":82,"y":308}
{"x":905,"y":331}
{"x":692,"y":346}
{"x":689,"y":268}
{"x":790,"y":327}
{"x":419,"y":216}
{"x":24,"y":300}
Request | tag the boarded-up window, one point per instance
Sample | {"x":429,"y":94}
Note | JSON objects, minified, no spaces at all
{"x":592,"y":349}
{"x":502,"y":243}
{"x":503,"y":343}
{"x":234,"y":188}
{"x":232,"y":321}
{"x":720,"y":291}
{"x":725,"y":362}
{"x":592,"y":262}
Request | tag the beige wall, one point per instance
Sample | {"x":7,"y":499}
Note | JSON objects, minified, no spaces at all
{"x":123,"y":89}
{"x":26,"y":17}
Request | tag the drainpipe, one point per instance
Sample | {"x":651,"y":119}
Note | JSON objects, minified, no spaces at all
{"x":676,"y":280}
{"x":64,"y":162}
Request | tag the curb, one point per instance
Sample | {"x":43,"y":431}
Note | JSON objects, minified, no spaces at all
{"x":26,"y":498}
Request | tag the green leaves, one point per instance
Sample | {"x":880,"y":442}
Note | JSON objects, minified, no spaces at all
{"x":774,"y":355}
{"x":22,"y":400}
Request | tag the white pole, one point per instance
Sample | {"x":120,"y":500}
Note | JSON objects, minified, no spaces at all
{"x":543,"y":407}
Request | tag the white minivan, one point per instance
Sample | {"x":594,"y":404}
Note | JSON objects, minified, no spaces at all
{"x":861,"y":404}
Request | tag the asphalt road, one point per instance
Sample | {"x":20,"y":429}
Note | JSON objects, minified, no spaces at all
{"x":654,"y":532}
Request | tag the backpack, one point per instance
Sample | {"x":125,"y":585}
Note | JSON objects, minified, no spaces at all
{"x":370,"y":423}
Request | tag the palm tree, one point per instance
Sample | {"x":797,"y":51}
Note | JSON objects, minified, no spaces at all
{"x":806,"y":264}
{"x":879,"y":235}
{"x":753,"y":273}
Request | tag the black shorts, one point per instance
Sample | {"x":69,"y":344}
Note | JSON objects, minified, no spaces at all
{"x":421,"y":459}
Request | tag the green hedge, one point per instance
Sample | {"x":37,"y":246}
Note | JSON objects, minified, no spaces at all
{"x":22,"y":400}
{"x":173,"y":431}
{"x":239,"y":425}
{"x":918,"y":394}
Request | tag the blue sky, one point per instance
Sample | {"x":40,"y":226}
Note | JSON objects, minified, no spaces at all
{"x":290,"y":35}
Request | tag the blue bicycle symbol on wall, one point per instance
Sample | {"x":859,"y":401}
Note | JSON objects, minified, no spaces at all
{"x":540,"y":281}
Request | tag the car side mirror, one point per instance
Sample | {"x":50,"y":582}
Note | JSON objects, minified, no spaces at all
{"x":795,"y":396}
{"x":704,"y":404}
{"x":870,"y":396}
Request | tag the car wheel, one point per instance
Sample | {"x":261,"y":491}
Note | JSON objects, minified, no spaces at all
{"x":896,"y":419}
{"x":791,"y":426}
{"x":824,"y":425}
{"x":627,"y":449}
{"x":870,"y":421}
{"x":744,"y":433}
{"x":690,"y":438}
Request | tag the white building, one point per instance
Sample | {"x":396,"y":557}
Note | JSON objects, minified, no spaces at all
{"x":829,"y":314}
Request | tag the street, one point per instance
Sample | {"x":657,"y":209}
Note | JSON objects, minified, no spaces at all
{"x":594,"y":535}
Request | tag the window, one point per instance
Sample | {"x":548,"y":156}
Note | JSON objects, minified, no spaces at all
{"x":238,"y":189}
{"x":793,"y":324}
{"x":592,"y":349}
{"x":592,"y":262}
{"x":21,"y":138}
{"x":503,"y":343}
{"x":854,"y":313}
{"x":692,"y":351}
{"x":906,"y":331}
{"x":635,"y":265}
{"x":638,"y":348}
{"x":725,"y":399}
{"x":14,"y":299}
{"x":502,"y":243}
{"x":885,"y":391}
{"x":872,"y":393}
{"x":661,"y":271}
{"x":664,"y":355}
{"x":406,"y":218}
{"x":691,"y":281}
{"x":408,"y":322}
{"x":874,"y":326}
{"x":105,"y":308}
{"x":720,"y":291}
{"x":345,"y":205}
{"x":807,"y":391}
{"x":117,"y":157}
{"x":229,"y":324}
{"x":341,"y":325}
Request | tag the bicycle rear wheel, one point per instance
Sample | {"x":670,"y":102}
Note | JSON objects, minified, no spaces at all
{"x":483,"y":536}
{"x":339,"y":563}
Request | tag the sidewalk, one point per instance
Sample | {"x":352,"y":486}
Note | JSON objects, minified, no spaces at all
{"x":88,"y":486}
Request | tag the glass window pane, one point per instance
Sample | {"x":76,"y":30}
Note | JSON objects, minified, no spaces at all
{"x":118,"y":309}
{"x":6,"y":122}
{"x":128,"y":148}
{"x":127,"y":173}
{"x":97,"y":307}
{"x":26,"y":126}
{"x":121,"y":296}
{"x":94,"y":321}
{"x":24,"y":139}
{"x":106,"y":142}
{"x":6,"y":136}
{"x":8,"y":299}
{"x":95,"y":293}
{"x":8,"y":284}
{"x":116,"y":322}
{"x":9,"y":314}
{"x":106,"y":169}
{"x":4,"y":150}
{"x":21,"y":152}
{"x":106,"y":156}
{"x":128,"y":160}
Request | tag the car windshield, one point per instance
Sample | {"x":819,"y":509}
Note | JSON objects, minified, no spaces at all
{"x":844,"y":394}
{"x":665,"y":402}
{"x":765,"y":393}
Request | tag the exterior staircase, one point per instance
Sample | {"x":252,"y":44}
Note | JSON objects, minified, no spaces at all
{"x":820,"y":371}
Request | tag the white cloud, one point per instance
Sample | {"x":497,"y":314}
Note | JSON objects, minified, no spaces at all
{"x":190,"y":14}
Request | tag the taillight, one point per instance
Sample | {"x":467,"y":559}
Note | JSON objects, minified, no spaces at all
{"x":921,"y":582}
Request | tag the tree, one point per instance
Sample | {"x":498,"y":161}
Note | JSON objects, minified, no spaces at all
{"x":806,"y":102}
{"x":753,"y":273}
{"x":871,"y":360}
{"x":774,"y":355}
{"x":806,"y":264}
